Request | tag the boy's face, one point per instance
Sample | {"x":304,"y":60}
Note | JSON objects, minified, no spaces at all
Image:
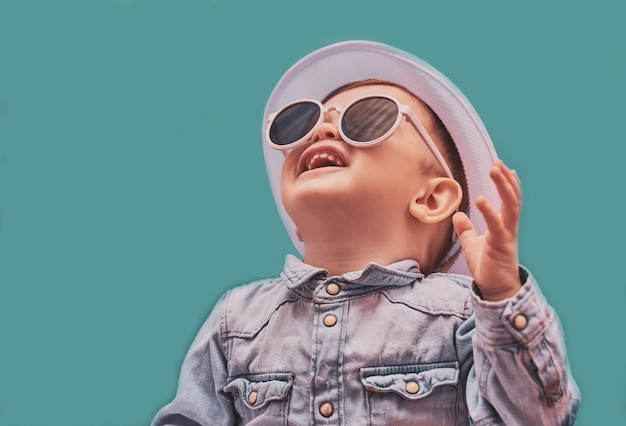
{"x":379,"y":181}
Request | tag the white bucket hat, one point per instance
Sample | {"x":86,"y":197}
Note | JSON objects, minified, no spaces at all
{"x":326,"y":69}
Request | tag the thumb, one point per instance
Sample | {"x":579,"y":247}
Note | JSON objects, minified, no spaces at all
{"x":468,"y":238}
{"x":463,"y":226}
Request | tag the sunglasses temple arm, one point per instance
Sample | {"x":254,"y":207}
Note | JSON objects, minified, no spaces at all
{"x":433,"y":148}
{"x":427,"y":139}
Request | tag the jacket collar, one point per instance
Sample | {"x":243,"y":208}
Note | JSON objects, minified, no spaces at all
{"x":299,"y":274}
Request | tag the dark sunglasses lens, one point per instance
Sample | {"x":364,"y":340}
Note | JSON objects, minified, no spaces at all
{"x":294,"y":122}
{"x":369,"y":119}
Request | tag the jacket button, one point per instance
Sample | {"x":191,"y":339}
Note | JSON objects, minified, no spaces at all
{"x":332,"y":289}
{"x":330,"y":320}
{"x":520,"y":322}
{"x":327,"y":409}
{"x":412,"y":387}
{"x":253,"y":397}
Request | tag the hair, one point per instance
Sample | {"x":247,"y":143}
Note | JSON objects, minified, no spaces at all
{"x":440,"y":135}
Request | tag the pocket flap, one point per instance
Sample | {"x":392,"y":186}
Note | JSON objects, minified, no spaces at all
{"x":256,"y":390}
{"x":410,"y":381}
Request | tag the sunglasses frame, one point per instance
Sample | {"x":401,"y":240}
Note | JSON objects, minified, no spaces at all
{"x":403,"y":110}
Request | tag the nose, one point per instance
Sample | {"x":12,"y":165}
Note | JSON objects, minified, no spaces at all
{"x":329,"y":128}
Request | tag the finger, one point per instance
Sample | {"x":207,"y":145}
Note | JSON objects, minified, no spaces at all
{"x":502,"y":178}
{"x":514,"y":180}
{"x":491,"y":216}
{"x":511,"y":212}
{"x":517,"y":184}
{"x":506,"y":182}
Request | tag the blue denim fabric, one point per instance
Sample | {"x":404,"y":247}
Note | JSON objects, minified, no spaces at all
{"x":392,"y":347}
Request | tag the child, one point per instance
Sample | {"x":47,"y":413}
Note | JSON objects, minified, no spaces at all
{"x":375,"y":172}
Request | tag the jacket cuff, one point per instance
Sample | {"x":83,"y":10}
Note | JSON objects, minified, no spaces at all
{"x":521,"y":318}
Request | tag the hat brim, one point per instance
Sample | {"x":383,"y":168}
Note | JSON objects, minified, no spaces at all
{"x":326,"y":69}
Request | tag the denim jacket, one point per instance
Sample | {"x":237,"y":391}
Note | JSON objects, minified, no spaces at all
{"x":383,"y":346}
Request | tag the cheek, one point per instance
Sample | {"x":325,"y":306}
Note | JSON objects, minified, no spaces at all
{"x":291,"y":158}
{"x":288,"y":177}
{"x":285,"y":178}
{"x":395,"y":161}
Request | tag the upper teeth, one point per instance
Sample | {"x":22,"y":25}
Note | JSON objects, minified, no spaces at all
{"x":324,"y":156}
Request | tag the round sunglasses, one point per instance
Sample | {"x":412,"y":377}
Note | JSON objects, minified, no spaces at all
{"x":364,"y":122}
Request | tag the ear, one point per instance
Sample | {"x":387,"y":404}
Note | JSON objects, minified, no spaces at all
{"x":437,"y":200}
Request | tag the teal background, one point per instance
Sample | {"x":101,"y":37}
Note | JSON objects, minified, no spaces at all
{"x":133,"y":191}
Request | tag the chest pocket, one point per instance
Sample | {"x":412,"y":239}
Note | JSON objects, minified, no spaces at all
{"x":261,"y":395}
{"x":413,"y":394}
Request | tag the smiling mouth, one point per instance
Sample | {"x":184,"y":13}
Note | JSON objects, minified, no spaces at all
{"x":321,"y":158}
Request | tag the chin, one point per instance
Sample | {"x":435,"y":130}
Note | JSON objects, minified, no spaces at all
{"x":319,"y":199}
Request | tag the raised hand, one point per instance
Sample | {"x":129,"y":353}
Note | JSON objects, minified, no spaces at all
{"x":492,"y":258}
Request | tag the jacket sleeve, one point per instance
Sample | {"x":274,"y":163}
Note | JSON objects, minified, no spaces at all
{"x":520,"y":374}
{"x":200,"y":400}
